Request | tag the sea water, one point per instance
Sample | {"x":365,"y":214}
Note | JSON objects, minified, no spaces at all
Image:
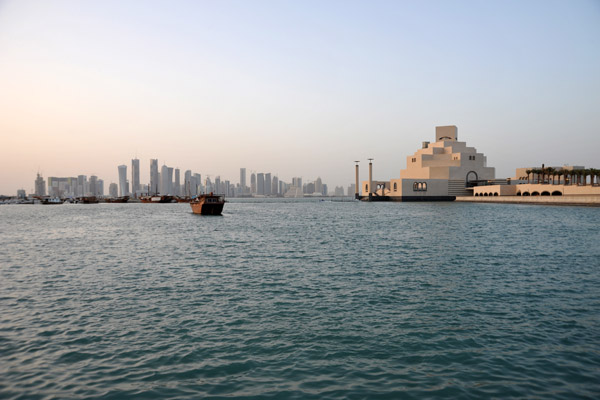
{"x":299,"y":299}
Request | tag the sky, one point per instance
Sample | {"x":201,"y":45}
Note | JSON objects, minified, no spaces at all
{"x":295,"y":88}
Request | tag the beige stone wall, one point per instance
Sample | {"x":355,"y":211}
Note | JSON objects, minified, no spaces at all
{"x":584,"y":200}
{"x":540,"y":189}
{"x":495,"y":190}
{"x":449,"y":132}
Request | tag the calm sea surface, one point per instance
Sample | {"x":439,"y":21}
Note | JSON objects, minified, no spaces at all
{"x":282,"y":299}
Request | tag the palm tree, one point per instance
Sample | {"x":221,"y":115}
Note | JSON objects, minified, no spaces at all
{"x":586,"y":172}
{"x":534,"y":173}
{"x":559,"y":173}
{"x":551,"y":173}
{"x":528,"y":172}
{"x":594,"y":172}
{"x":577,"y":173}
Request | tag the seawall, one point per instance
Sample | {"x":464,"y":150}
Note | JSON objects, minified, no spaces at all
{"x":578,"y":200}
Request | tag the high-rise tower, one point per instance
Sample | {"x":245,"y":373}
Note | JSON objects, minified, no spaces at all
{"x":243,"y":180}
{"x":40,"y":186}
{"x":123,"y":180}
{"x":153,"y":188}
{"x":135,"y":176}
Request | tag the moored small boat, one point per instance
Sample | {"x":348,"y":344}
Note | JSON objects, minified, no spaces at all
{"x":122,"y":199}
{"x":87,"y":200}
{"x":185,"y":199}
{"x":157,"y":199}
{"x":51,"y":200}
{"x":208,"y":204}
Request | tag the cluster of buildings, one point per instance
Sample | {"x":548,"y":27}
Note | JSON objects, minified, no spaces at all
{"x":167,"y":180}
{"x":69,"y":187}
{"x":448,"y":169}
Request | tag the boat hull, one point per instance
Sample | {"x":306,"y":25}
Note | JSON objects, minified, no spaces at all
{"x":156,"y":199}
{"x":207,"y":209}
{"x":208,"y":205}
{"x":123,"y":199}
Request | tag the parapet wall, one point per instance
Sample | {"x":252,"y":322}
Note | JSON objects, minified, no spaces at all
{"x":579,"y":200}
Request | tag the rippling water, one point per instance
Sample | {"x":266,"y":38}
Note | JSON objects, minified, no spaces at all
{"x":299,"y":300}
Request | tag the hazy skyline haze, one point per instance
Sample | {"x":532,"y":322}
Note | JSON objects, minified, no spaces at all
{"x":292,"y":88}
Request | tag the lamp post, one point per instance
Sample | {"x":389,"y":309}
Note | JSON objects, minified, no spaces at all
{"x":370,"y":178}
{"x":356,"y":185}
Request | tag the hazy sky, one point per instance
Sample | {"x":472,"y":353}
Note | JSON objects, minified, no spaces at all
{"x":296,"y":88}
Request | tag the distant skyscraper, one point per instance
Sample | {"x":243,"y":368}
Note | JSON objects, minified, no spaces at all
{"x":243,"y":180}
{"x":135,"y":176}
{"x":61,"y":187}
{"x":297,"y":182}
{"x":351,"y":189}
{"x":40,"y":186}
{"x":187,"y":183}
{"x":260,"y":184}
{"x":94,"y":185}
{"x":253,"y":183}
{"x":309,"y":188}
{"x":154,"y":182}
{"x":100,"y":187}
{"x":177,"y":184}
{"x":197,"y":189}
{"x":217,"y":187}
{"x":319,"y":186}
{"x":123,"y":180}
{"x":82,"y":185}
{"x":275,"y":186}
{"x":164,"y":180}
{"x":170,"y":180}
{"x":113,"y":190}
{"x":268,"y":184}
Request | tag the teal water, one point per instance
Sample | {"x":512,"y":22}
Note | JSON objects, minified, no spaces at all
{"x":306,"y":300}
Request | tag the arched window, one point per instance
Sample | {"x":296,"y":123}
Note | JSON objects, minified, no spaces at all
{"x":425,"y":186}
{"x":415,"y":186}
{"x":395,"y":186}
{"x":367,"y":187}
{"x":556,"y":193}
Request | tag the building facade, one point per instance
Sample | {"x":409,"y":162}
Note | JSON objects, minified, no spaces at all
{"x":440,"y":170}
{"x":40,"y":186}
{"x":123,"y":186}
{"x":135,"y":177}
{"x":154,"y":181}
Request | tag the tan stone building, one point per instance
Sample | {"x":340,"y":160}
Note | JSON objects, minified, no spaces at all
{"x":523,"y":184}
{"x":438,"y":171}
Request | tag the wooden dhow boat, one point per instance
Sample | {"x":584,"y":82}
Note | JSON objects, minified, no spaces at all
{"x":208,"y":204}
{"x":122,"y":199}
{"x":157,"y":199}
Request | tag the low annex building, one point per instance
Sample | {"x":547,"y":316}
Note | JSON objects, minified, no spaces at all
{"x":555,"y":181}
{"x":440,"y":170}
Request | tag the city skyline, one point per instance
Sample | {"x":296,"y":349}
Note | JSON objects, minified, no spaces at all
{"x":292,"y":87}
{"x":169,"y":182}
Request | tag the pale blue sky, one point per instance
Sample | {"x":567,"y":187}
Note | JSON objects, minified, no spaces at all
{"x":294,"y":88}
